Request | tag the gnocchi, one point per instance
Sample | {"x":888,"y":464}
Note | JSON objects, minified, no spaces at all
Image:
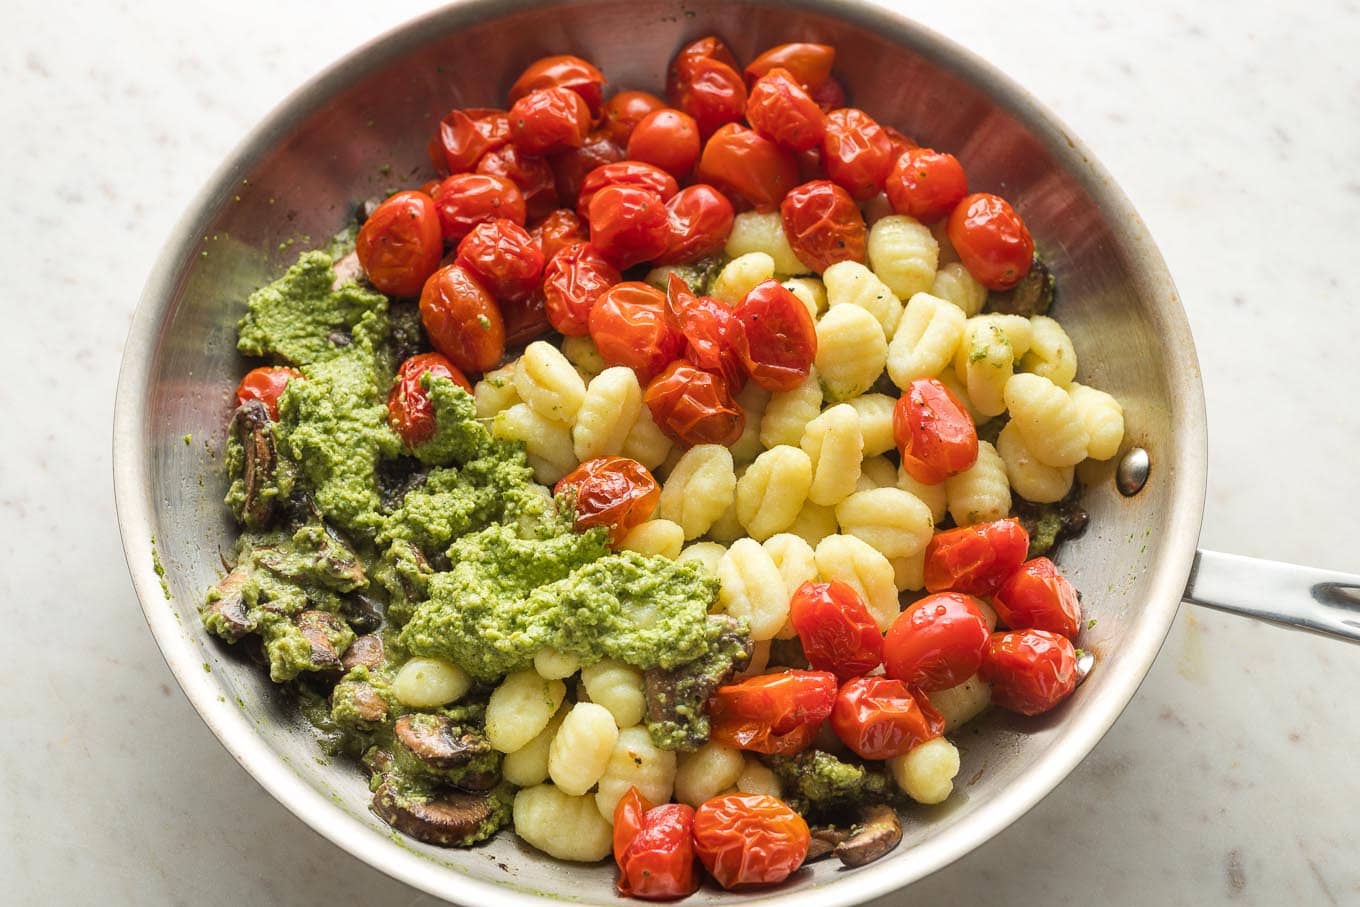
{"x":773,"y":490}
{"x":635,"y":762}
{"x":787,"y":414}
{"x":561,"y":825}
{"x":655,"y":538}
{"x":926,"y":340}
{"x":617,"y":687}
{"x":846,"y":559}
{"x":904,"y":254}
{"x":926,"y":773}
{"x":1032,"y":480}
{"x":1050,"y":424}
{"x":740,"y":276}
{"x":608,"y":410}
{"x":763,"y":232}
{"x":893,"y":522}
{"x":581,"y":748}
{"x":851,"y":283}
{"x":520,"y":708}
{"x":982,"y":492}
{"x":549,"y":383}
{"x":834,"y":446}
{"x":851,"y":351}
{"x":700,"y":488}
{"x":752,"y":589}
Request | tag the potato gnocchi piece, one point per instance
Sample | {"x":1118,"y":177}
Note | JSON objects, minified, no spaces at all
{"x":1103,"y":418}
{"x":961,"y":704}
{"x":699,"y":490}
{"x":814,"y":523}
{"x":655,"y":538}
{"x":646,"y":443}
{"x":581,"y":352}
{"x":707,"y":772}
{"x":794,"y":559}
{"x":940,"y":230}
{"x":787,"y":414}
{"x":954,"y":284}
{"x":550,"y":384}
{"x":934,"y":496}
{"x":835,"y":446}
{"x":495,"y":392}
{"x":727,"y":528}
{"x":528,"y":765}
{"x":876,"y":472}
{"x":904,"y":254}
{"x":1050,"y":424}
{"x":706,"y":553}
{"x":547,"y":444}
{"x":1050,"y":352}
{"x":875,"y":413}
{"x":909,"y":573}
{"x":611,"y":406}
{"x":981,"y":493}
{"x":773,"y":490}
{"x":986,"y":358}
{"x":893,"y":522}
{"x":926,"y":774}
{"x":851,"y":283}
{"x":810,"y":291}
{"x":581,"y":748}
{"x":635,"y":762}
{"x":758,"y":778}
{"x":425,"y":683}
{"x":763,"y":232}
{"x":520,"y":708}
{"x":1031,"y":479}
{"x":752,"y":399}
{"x":617,"y":687}
{"x":554,"y":665}
{"x":846,"y":559}
{"x":851,"y":352}
{"x":752,"y":589}
{"x":740,"y":276}
{"x":927,"y":338}
{"x":562,"y":826}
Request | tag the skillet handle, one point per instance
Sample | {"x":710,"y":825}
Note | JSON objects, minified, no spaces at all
{"x":1306,"y":598}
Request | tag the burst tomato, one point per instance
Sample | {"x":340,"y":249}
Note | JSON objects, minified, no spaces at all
{"x":934,"y":433}
{"x":830,"y":95}
{"x":926,"y":184}
{"x":409,"y":410}
{"x":400,"y":244}
{"x":465,"y":200}
{"x":880,"y":718}
{"x":570,"y":168}
{"x":901,"y":143}
{"x":856,"y":152}
{"x":266,"y":384}
{"x":634,"y":174}
{"x":1038,"y":597}
{"x":572,"y":280}
{"x":628,"y":820}
{"x":744,"y":163}
{"x":774,"y":714}
{"x":629,"y":325}
{"x":562,"y":71}
{"x":823,"y":225}
{"x":836,"y":629}
{"x":532,"y":175}
{"x":668,"y":139}
{"x":704,"y":83}
{"x":781,"y":111}
{"x":709,"y":47}
{"x":658,"y":864}
{"x":749,"y":839}
{"x":462,"y":319}
{"x":1030,"y":671}
{"x":614,"y":492}
{"x":810,"y":64}
{"x":709,"y":329}
{"x":558,"y":230}
{"x":692,"y":406}
{"x":936,"y":643}
{"x":525,"y":319}
{"x":504,"y":258}
{"x":698,"y":220}
{"x":625,"y":110}
{"x":778,"y":340}
{"x":975,"y":559}
{"x":627,"y":225}
{"x":549,"y":119}
{"x":992,"y":241}
{"x":464,"y":136}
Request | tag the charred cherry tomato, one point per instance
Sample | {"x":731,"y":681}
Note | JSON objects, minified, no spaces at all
{"x":830,"y":95}
{"x":464,"y":136}
{"x":782,"y":111}
{"x":774,"y":714}
{"x":525,"y":319}
{"x":558,"y":230}
{"x":709,"y":47}
{"x":562,"y":71}
{"x":625,"y":110}
{"x":409,"y":410}
{"x":1038,"y":597}
{"x":778,"y":339}
{"x":837,"y":631}
{"x":504,"y":258}
{"x":532,"y":175}
{"x":628,"y":225}
{"x":934,"y":433}
{"x":1030,"y":671}
{"x":629,"y":325}
{"x":465,"y":200}
{"x":400,"y":244}
{"x":572,"y":280}
{"x":926,"y":184}
{"x":698,"y":220}
{"x":636,"y":174}
{"x":668,"y":139}
{"x":550,"y":119}
{"x":704,"y":83}
{"x":749,"y":839}
{"x":570,"y":168}
{"x":901,"y":143}
{"x":937,"y":642}
{"x":992,"y":241}
{"x":628,"y":821}
{"x":658,"y":863}
{"x":823,"y":225}
{"x":880,"y":718}
{"x":692,"y":406}
{"x":975,"y":559}
{"x":709,"y":328}
{"x":462,"y":319}
{"x":742,"y":162}
{"x":856,"y":152}
{"x":614,"y":492}
{"x":266,"y":384}
{"x":810,"y":64}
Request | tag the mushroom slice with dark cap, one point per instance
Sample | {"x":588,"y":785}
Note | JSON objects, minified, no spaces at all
{"x":438,"y":742}
{"x":366,"y":650}
{"x":225,"y":613}
{"x":824,"y":841}
{"x":253,"y":428}
{"x":362,"y":612}
{"x":878,"y":832}
{"x":318,"y":628}
{"x":367,"y":703}
{"x":446,"y":819}
{"x":1033,"y":295}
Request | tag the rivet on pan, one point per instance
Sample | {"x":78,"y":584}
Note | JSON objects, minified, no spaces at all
{"x":1132,"y":473}
{"x":1085,"y":662}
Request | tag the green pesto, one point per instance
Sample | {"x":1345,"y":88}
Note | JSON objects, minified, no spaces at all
{"x":677,"y":705}
{"x":699,"y":275}
{"x":816,"y":782}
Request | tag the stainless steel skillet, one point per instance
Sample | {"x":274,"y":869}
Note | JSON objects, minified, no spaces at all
{"x":360,"y":128}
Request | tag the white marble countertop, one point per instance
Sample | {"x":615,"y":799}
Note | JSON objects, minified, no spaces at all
{"x":1234,"y":127}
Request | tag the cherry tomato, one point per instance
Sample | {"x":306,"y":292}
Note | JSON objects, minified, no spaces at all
{"x":409,"y":410}
{"x":628,"y":225}
{"x":549,"y":119}
{"x":774,"y":714}
{"x":712,"y":93}
{"x":1039,"y":597}
{"x":810,"y":165}
{"x":572,"y":280}
{"x":749,"y":839}
{"x":614,"y":492}
{"x":926,"y":184}
{"x":975,"y":559}
{"x":810,"y":64}
{"x":823,"y":225}
{"x":462,"y":320}
{"x":781,"y":110}
{"x":629,"y":325}
{"x":465,"y":200}
{"x":625,"y":110}
{"x":532,"y":175}
{"x":1030,"y":671}
{"x":992,"y":241}
{"x":742,"y":162}
{"x":692,"y":406}
{"x":628,"y":821}
{"x":836,"y":629}
{"x":400,"y":244}
{"x":856,"y":152}
{"x":934,"y":433}
{"x":698,"y":220}
{"x":667,"y":138}
{"x":830,"y":95}
{"x":901,"y":143}
{"x":635,"y":174}
{"x":570,"y":168}
{"x":880,"y":718}
{"x":709,"y":328}
{"x":562,"y":71}
{"x":659,"y":862}
{"x":504,"y":259}
{"x":464,"y":136}
{"x":778,"y":339}
{"x":525,"y":319}
{"x":266,"y":384}
{"x":558,"y":230}
{"x":710,"y":47}
{"x":937,"y":642}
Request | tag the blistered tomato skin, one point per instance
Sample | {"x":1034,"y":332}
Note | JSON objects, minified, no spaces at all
{"x":464,"y":136}
{"x":558,"y":230}
{"x":635,"y":174}
{"x":975,"y":559}
{"x":504,"y":258}
{"x":781,"y":111}
{"x":880,"y":718}
{"x":749,"y":839}
{"x":1038,"y":597}
{"x":572,"y":280}
{"x":830,"y":95}
{"x":462,"y":320}
{"x":823,"y":225}
{"x":562,"y":71}
{"x":926,"y":184}
{"x":744,"y":163}
{"x":266,"y":384}
{"x":548,"y":120}
{"x":704,"y":83}
{"x":936,"y":643}
{"x":668,"y":139}
{"x":1030,"y":671}
{"x":992,"y":240}
{"x":778,"y":340}
{"x":709,"y":328}
{"x":698,"y":221}
{"x":692,"y":406}
{"x":658,"y":863}
{"x":775,"y":714}
{"x":856,"y":152}
{"x":400,"y":244}
{"x":531,"y":174}
{"x":571,"y":167}
{"x":630,"y":326}
{"x":810,"y":64}
{"x":465,"y":200}
{"x":627,"y":225}
{"x":628,"y":821}
{"x":837,"y":632}
{"x":614,"y":492}
{"x":935,"y":436}
{"x":625,"y":110}
{"x":409,"y":411}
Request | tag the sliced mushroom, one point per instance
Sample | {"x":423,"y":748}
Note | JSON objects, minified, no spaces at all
{"x":1033,"y":295}
{"x":825,"y":839}
{"x":438,"y":741}
{"x":347,"y":270}
{"x":362,"y":612}
{"x":878,"y":832}
{"x":254,"y":430}
{"x":675,"y":697}
{"x":369,"y":705}
{"x":227,"y":615}
{"x":343,"y":568}
{"x":318,"y":628}
{"x":366,"y":650}
{"x":445,"y":820}
{"x":377,"y":760}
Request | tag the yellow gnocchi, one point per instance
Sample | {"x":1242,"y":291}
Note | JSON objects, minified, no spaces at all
{"x":834,"y":446}
{"x":699,"y":490}
{"x":851,"y":351}
{"x":773,"y":490}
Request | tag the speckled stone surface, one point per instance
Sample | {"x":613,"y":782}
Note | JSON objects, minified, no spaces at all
{"x":1234,"y":127}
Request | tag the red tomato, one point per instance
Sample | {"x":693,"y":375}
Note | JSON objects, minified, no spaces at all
{"x":571,"y":167}
{"x":409,"y":410}
{"x":628,"y":821}
{"x":936,"y":643}
{"x":562,"y":71}
{"x":667,"y":138}
{"x":400,"y":245}
{"x":856,"y":152}
{"x":749,"y":839}
{"x":629,"y":325}
{"x":926,"y":184}
{"x":558,"y":230}
{"x":635,"y":174}
{"x":1038,"y":597}
{"x":462,"y":320}
{"x":781,"y":110}
{"x":614,"y":492}
{"x":810,"y":64}
{"x":975,"y":559}
{"x":901,"y":143}
{"x":463,"y":136}
{"x":836,"y":629}
{"x":704,"y":83}
{"x":992,"y":241}
{"x":266,"y":384}
{"x":880,"y":718}
{"x":627,"y":225}
{"x":934,"y":433}
{"x":709,"y":328}
{"x":698,"y":220}
{"x":1030,"y":671}
{"x":830,"y":95}
{"x":775,"y":714}
{"x":504,"y":258}
{"x":709,"y":47}
{"x":810,"y":166}
{"x":532,"y":175}
{"x":659,"y":862}
{"x":549,"y":119}
{"x":625,"y":110}
{"x":525,"y":319}
{"x":572,"y":280}
{"x":692,"y":406}
{"x":777,"y":340}
{"x":742,"y":162}
{"x":465,"y":200}
{"x":823,"y":225}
